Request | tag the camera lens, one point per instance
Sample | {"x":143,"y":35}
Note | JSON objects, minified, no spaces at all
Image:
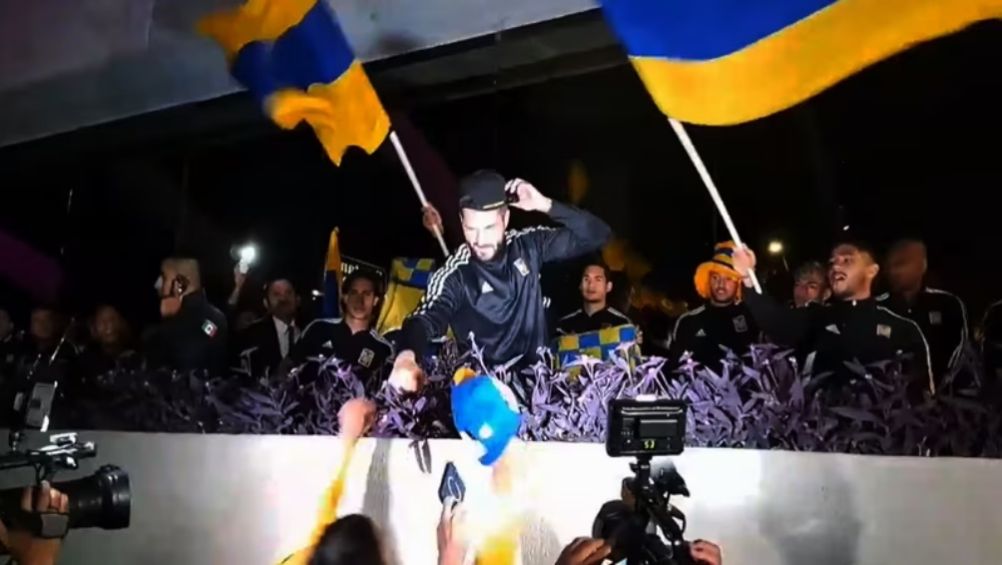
{"x":102,"y":500}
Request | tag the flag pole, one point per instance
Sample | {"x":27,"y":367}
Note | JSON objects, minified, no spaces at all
{"x":697,"y":161}
{"x":417,"y":186}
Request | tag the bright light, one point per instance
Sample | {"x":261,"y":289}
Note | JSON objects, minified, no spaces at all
{"x":316,"y":293}
{"x":775,"y":247}
{"x":248,"y":254}
{"x":845,"y":228}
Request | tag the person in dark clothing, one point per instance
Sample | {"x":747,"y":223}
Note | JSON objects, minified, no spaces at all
{"x":111,"y":348}
{"x":193,"y":332}
{"x":264,"y":344}
{"x":490,"y":286}
{"x":991,"y":348}
{"x":724,"y":322}
{"x":595,"y":312}
{"x":810,"y":285}
{"x":10,"y":345}
{"x":852,"y":327}
{"x":45,"y":339}
{"x":941,"y":316}
{"x":351,"y":338}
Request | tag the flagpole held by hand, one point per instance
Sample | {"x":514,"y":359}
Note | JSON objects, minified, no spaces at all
{"x":697,"y":161}
{"x":417,"y":186}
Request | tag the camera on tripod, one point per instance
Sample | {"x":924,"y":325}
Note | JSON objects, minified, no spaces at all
{"x":643,"y":527}
{"x":101,"y":500}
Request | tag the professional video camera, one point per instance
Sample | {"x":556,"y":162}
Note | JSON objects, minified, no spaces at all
{"x":644,"y":429}
{"x":102,"y":500}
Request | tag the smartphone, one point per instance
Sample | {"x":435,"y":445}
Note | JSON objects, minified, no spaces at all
{"x":452,"y":485}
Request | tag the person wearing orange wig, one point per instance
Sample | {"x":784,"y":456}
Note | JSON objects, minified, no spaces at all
{"x":722,"y":323}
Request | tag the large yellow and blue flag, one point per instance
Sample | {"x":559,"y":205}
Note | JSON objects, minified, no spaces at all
{"x":294,"y":58}
{"x":720,"y":62}
{"x":332,"y":278}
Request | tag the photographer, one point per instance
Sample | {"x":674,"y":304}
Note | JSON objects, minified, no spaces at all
{"x":587,"y":551}
{"x":23,"y":547}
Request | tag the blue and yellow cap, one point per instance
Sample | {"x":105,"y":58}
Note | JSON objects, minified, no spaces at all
{"x":722,"y":263}
{"x":485,"y":409}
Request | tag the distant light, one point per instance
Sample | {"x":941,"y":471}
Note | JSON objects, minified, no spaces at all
{"x":316,"y":293}
{"x":845,"y":227}
{"x":775,"y":247}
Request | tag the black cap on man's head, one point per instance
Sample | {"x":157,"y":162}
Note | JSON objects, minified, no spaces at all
{"x":483,"y":191}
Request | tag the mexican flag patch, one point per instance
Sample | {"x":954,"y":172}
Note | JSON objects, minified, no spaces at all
{"x":209,"y":329}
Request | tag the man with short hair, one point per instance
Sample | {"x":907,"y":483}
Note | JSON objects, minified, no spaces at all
{"x":852,"y":327}
{"x":351,"y":337}
{"x":111,"y":348}
{"x":265,"y":343}
{"x":193,"y":332}
{"x":723,"y":322}
{"x":490,"y":289}
{"x":810,"y":284}
{"x":940,"y":315}
{"x":595,"y":312}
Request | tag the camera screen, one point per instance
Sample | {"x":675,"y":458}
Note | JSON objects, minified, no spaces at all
{"x":641,"y":427}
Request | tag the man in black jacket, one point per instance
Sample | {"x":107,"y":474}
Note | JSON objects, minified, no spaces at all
{"x":193,"y":332}
{"x":351,"y":338}
{"x":262,"y":345}
{"x":724,"y":322}
{"x":853,"y":327}
{"x":490,"y":287}
{"x":941,"y":315}
{"x":595,"y":312}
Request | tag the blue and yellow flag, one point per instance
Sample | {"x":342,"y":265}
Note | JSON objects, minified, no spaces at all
{"x":720,"y":62}
{"x":408,"y":282}
{"x":598,"y":344}
{"x":332,"y":278}
{"x":293,"y":56}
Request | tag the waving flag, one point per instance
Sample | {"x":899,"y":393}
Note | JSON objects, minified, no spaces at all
{"x":721,"y":62}
{"x":293,"y":56}
{"x":332,"y":278}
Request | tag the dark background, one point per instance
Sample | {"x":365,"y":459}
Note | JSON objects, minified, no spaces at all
{"x":909,"y":146}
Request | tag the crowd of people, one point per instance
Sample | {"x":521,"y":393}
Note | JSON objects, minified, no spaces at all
{"x":490,"y":289}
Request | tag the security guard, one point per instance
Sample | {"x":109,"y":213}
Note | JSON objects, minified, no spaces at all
{"x":595,"y":312}
{"x":193,"y":332}
{"x":724,"y":322}
{"x":941,"y":316}
{"x":490,"y":287}
{"x":351,"y":338}
{"x":851,"y":327}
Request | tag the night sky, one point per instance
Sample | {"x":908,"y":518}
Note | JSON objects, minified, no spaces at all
{"x":909,"y":146}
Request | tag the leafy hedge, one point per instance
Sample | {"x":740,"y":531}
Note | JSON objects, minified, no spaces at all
{"x":760,"y":401}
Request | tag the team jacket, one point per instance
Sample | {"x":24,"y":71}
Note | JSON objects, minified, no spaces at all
{"x":942,"y":318}
{"x":845,"y":331}
{"x":500,"y":302}
{"x":579,"y":322}
{"x":323,"y":338}
{"x":705,"y":331}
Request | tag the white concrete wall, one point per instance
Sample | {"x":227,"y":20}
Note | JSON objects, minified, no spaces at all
{"x":252,"y":500}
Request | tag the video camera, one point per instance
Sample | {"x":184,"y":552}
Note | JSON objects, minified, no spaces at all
{"x":102,"y":500}
{"x":645,"y":429}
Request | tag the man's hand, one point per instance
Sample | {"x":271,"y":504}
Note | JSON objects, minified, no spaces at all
{"x":356,"y":417}
{"x":407,"y":375}
{"x":706,"y":553}
{"x":529,"y":197}
{"x":451,"y":542}
{"x":585,"y":551}
{"x":431,"y":219}
{"x":744,"y":263}
{"x":23,"y":546}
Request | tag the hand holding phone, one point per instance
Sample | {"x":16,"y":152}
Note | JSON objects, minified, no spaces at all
{"x":451,"y":485}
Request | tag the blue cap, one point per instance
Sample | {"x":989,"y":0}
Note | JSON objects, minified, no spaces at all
{"x":485,"y":409}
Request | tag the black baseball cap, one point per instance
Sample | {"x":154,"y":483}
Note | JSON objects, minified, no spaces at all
{"x":483,"y":191}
